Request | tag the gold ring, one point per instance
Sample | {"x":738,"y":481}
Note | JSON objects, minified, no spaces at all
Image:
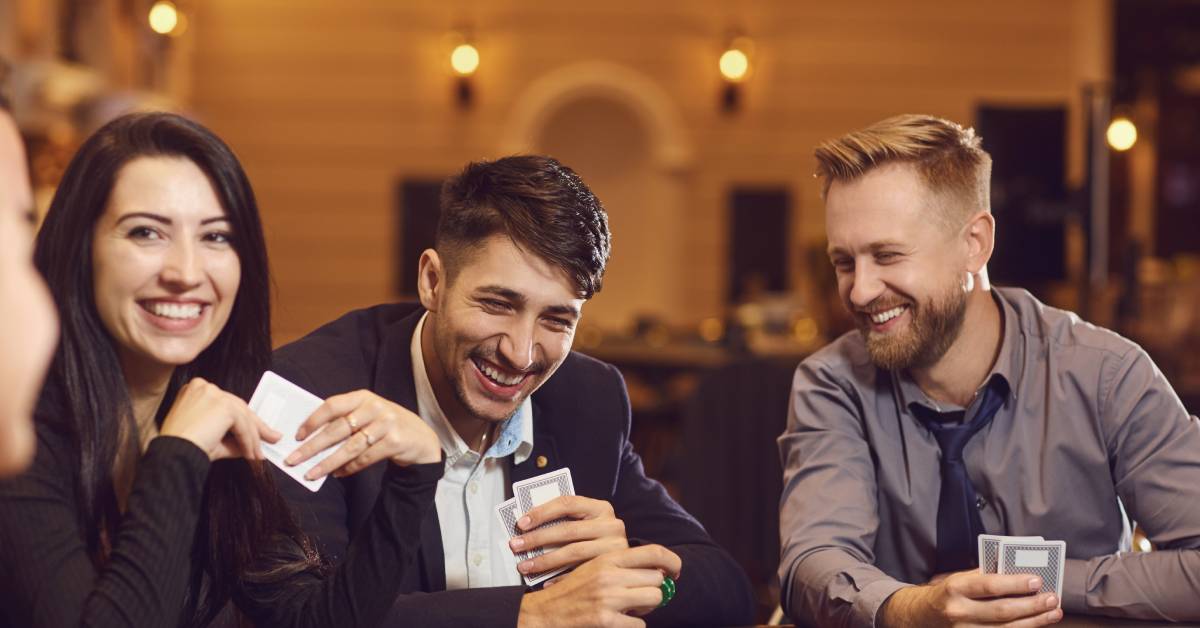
{"x":352,"y":423}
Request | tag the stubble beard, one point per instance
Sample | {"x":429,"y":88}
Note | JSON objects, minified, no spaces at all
{"x":459,"y":386}
{"x":460,"y":393}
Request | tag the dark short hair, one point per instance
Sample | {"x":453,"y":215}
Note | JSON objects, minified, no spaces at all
{"x":542,"y":205}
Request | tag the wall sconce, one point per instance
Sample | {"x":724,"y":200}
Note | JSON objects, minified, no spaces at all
{"x":464,"y":60}
{"x":166,"y":19}
{"x":735,"y":67}
{"x":1121,"y":134}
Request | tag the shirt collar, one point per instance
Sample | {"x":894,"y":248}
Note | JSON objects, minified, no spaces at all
{"x":515,"y":436}
{"x":1004,"y":371}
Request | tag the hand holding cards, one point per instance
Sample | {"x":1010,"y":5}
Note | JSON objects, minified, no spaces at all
{"x":557,"y":529}
{"x":528,"y":494}
{"x":610,"y":580}
{"x":343,"y":434}
{"x":973,"y":598}
{"x":284,"y":406}
{"x":1031,"y":555}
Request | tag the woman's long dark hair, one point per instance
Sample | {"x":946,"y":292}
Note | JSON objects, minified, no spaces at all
{"x":243,"y":511}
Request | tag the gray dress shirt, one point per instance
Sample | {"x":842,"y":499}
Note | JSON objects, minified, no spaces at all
{"x":1090,"y":440}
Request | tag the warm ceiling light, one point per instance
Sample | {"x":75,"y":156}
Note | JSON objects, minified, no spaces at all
{"x":1122,"y":134}
{"x":465,"y":59}
{"x":734,"y":65}
{"x":163,"y":17}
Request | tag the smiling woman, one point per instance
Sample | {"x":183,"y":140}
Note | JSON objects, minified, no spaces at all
{"x":166,"y":271}
{"x":148,"y":503}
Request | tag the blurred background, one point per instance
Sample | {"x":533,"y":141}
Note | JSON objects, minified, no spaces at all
{"x":694,"y":121}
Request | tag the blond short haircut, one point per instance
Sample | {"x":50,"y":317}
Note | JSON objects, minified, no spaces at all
{"x":946,"y":156}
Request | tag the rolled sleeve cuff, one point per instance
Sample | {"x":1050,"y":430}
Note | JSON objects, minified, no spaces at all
{"x":871,"y":598}
{"x":1074,"y":592}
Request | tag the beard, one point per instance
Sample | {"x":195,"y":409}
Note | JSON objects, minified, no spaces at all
{"x":932,"y":328}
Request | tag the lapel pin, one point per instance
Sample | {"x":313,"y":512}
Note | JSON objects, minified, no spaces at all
{"x":542,"y":462}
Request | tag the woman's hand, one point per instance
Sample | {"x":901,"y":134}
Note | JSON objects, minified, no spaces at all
{"x":370,"y":429}
{"x":217,"y":422}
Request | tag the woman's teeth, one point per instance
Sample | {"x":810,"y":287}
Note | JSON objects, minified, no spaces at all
{"x":178,"y":311}
{"x":884,"y":317}
{"x":497,"y":376}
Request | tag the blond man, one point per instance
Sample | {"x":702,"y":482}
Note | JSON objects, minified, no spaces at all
{"x":957,"y":409}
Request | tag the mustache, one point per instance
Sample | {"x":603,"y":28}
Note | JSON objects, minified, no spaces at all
{"x":881,"y":304}
{"x":495,"y":357}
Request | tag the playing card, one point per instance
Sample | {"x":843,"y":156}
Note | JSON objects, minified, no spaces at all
{"x":1044,"y":559}
{"x":285,"y":406}
{"x":989,"y":550}
{"x":534,"y":492}
{"x":541,"y":489}
{"x":508,"y":514}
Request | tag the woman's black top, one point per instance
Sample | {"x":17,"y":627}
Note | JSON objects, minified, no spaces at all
{"x":47,"y":578}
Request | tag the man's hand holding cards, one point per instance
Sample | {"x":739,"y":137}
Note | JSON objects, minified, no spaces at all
{"x":559,"y":529}
{"x":1019,"y":580}
{"x":1029,"y":555}
{"x":552,"y":530}
{"x":342,"y":434}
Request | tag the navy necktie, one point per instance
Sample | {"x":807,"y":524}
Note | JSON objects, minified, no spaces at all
{"x":958,"y":521}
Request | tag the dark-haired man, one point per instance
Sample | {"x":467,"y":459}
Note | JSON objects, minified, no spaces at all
{"x":486,"y":360}
{"x":957,"y":410}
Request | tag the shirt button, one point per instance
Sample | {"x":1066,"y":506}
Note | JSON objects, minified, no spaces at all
{"x":474,"y":487}
{"x":478,"y":559}
{"x":980,"y":503}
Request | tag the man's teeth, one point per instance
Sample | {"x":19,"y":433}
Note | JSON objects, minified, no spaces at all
{"x":175,"y":310}
{"x":497,"y":376}
{"x":884,"y":317}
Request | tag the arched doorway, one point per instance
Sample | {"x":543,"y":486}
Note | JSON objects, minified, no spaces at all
{"x":621,"y":132}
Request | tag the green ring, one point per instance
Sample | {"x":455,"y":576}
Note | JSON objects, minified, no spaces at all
{"x":668,"y":591}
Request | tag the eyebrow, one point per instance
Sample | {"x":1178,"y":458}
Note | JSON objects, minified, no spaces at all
{"x":874,"y":247}
{"x":164,"y":220}
{"x":517,"y":297}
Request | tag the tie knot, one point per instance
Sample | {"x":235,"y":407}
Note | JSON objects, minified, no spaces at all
{"x":952,"y":439}
{"x":951,"y":436}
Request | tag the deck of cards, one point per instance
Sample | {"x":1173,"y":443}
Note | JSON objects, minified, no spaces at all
{"x":1031,"y":555}
{"x":284,"y":406}
{"x":528,"y":494}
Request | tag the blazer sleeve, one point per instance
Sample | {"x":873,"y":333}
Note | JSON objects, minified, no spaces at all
{"x":49,"y":580}
{"x":712,"y":588}
{"x":326,"y":518}
{"x":324,"y":515}
{"x":361,"y":589}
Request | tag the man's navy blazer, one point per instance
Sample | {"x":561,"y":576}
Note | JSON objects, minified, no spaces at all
{"x":581,"y":420}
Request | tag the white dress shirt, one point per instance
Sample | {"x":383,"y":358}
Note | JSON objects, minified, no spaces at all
{"x":475,"y":545}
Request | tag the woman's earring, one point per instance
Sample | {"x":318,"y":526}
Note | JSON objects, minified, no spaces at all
{"x":969,"y":284}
